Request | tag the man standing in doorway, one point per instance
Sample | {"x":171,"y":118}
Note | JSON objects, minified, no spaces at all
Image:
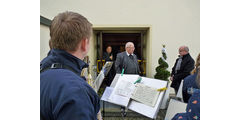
{"x":127,"y":60}
{"x":182,"y":67}
{"x":108,"y":56}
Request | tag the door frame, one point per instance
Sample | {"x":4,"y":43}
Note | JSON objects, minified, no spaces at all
{"x":146,"y":31}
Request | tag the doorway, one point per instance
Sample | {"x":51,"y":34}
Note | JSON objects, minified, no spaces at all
{"x":117,"y":37}
{"x":118,"y":40}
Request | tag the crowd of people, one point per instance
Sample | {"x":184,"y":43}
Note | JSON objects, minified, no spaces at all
{"x":65,"y":95}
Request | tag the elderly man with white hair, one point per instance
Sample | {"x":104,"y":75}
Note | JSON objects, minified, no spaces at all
{"x":127,"y":60}
{"x":182,"y":67}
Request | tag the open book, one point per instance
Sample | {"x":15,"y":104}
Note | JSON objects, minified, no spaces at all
{"x":125,"y":90}
{"x":145,"y":94}
{"x":142,"y":97}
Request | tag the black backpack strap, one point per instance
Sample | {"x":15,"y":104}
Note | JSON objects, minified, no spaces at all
{"x":58,"y":66}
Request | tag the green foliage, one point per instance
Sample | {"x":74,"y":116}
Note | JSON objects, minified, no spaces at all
{"x":164,"y":56}
{"x":162,"y":63}
{"x":162,"y":75}
{"x":162,"y":72}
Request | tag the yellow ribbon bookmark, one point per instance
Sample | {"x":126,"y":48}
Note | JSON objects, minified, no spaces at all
{"x":162,"y":89}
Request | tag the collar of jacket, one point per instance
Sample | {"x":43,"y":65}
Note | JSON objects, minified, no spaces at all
{"x":63,"y":57}
{"x":186,"y":55}
{"x":128,"y":53}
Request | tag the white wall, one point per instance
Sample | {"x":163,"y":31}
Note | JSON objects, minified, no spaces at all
{"x":174,"y":22}
{"x":44,"y":38}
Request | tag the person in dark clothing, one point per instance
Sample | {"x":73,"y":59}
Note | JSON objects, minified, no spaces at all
{"x":192,"y":110}
{"x":108,"y":56}
{"x":64,"y":94}
{"x":189,"y":81}
{"x":193,"y":107}
{"x":182,"y":67}
{"x":127,"y":60}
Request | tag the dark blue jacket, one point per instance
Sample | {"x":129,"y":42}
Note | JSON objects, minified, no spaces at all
{"x":192,"y":110}
{"x":64,"y":95}
{"x":189,"y":81}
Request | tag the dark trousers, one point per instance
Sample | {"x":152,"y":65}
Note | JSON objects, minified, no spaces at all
{"x":176,"y":90}
{"x":175,"y":85}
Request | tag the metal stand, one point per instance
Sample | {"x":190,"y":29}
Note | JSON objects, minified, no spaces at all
{"x":103,"y":109}
{"x":123,"y":112}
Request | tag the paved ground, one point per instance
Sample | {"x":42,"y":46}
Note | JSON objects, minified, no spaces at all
{"x":110,"y":115}
{"x":113,"y":112}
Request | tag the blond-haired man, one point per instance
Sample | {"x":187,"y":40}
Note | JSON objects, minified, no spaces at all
{"x":64,"y":95}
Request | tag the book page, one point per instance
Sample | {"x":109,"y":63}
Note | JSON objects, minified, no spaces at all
{"x":144,"y":109}
{"x":114,"y":82}
{"x":97,"y":83}
{"x":121,"y":93}
{"x":125,"y":88}
{"x":107,"y":93}
{"x":106,"y":68}
{"x":145,"y":94}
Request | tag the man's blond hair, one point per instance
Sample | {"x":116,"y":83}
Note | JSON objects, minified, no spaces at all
{"x":68,"y":29}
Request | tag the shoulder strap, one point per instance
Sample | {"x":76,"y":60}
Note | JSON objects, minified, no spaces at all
{"x":57,"y":66}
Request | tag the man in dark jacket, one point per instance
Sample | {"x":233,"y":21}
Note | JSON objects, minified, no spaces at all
{"x":182,"y":67}
{"x":108,"y":56}
{"x":127,"y":60}
{"x":64,"y":95}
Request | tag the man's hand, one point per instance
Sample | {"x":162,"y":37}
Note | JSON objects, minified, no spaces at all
{"x":171,"y":78}
{"x":99,"y":115}
{"x":111,"y":57}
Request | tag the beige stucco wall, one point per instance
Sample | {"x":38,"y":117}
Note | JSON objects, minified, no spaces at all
{"x":173,"y":22}
{"x":44,"y":38}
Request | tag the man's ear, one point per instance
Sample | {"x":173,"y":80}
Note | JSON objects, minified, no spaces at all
{"x":84,"y":44}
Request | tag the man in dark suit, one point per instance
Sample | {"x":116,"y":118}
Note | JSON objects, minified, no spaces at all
{"x":182,"y":67}
{"x":127,"y":60}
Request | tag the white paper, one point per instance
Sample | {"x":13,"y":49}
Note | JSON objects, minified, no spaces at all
{"x":119,"y":100}
{"x":114,"y":82}
{"x":146,"y":110}
{"x":128,"y":77}
{"x":145,"y":94}
{"x":123,"y":89}
{"x":106,"y":68}
{"x":175,"y":107}
{"x":107,"y":93}
{"x":138,"y":107}
{"x":97,"y":83}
